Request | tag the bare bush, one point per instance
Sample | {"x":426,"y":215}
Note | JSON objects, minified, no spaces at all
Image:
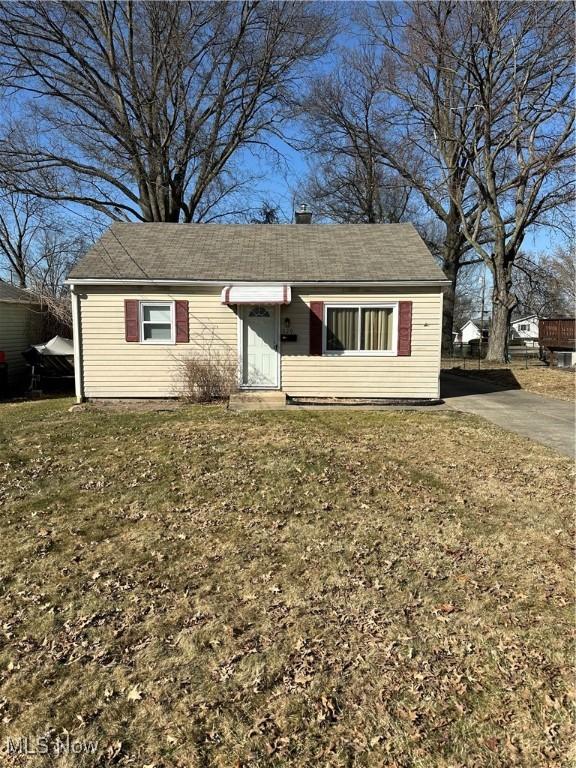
{"x":210,"y":376}
{"x":56,"y":315}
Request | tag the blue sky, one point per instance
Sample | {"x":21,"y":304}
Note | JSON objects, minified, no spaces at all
{"x":278,"y":183}
{"x":280,"y":188}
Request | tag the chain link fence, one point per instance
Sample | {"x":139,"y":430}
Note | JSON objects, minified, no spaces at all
{"x":471,"y":356}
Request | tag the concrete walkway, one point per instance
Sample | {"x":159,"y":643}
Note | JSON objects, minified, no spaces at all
{"x":547,"y":421}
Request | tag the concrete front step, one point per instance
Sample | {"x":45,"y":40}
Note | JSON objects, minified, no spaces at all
{"x":260,"y":400}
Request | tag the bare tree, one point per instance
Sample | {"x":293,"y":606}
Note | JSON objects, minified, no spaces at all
{"x":342,"y":190}
{"x":20,"y":224}
{"x":267,"y":213}
{"x":348,"y":181}
{"x":413,"y":126}
{"x":476,"y":116}
{"x":144,"y":105}
{"x":545,"y":285}
{"x":517,"y":150}
{"x":564,"y":270}
{"x":468,"y":301}
{"x":38,"y":247}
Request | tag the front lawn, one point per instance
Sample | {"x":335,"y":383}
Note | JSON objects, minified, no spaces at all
{"x":199,"y":588}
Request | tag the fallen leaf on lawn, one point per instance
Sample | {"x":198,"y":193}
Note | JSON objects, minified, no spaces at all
{"x":134,"y":694}
{"x":113,"y":749}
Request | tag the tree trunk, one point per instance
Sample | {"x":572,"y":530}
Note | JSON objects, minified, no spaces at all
{"x":498,"y":340}
{"x":450,"y":264}
{"x":503,"y":302}
{"x":19,"y":265}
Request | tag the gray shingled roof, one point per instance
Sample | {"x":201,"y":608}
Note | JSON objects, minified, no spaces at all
{"x":260,"y":252}
{"x":12,"y":293}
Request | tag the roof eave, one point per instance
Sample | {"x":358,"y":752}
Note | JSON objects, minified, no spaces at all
{"x":294,"y":283}
{"x":27,"y":302}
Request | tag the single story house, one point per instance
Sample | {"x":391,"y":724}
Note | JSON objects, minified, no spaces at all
{"x":315,"y":311}
{"x":525,"y":329}
{"x":470,"y":331}
{"x":20,"y":326}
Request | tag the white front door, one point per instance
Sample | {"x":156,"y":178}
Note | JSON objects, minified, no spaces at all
{"x":260,"y":347}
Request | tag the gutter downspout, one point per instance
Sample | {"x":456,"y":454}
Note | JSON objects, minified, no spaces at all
{"x":77,"y":338}
{"x":440,"y":361}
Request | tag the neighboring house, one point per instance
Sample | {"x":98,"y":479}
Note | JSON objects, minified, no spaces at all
{"x":525,"y":329}
{"x":470,"y":331}
{"x":347,"y":311}
{"x":20,"y":326}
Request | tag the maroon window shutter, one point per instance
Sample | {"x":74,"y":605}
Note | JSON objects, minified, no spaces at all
{"x":131,"y":320}
{"x":405,"y":328}
{"x":316,"y":321}
{"x":182,"y":332}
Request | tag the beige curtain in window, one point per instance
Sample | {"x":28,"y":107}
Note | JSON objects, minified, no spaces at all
{"x":342,"y":327}
{"x":376,"y":333}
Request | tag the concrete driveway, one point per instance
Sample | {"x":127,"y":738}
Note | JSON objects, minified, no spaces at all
{"x":550,"y":422}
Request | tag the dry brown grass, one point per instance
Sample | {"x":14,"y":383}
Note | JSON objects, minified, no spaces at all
{"x":551,"y":382}
{"x":197,"y":588}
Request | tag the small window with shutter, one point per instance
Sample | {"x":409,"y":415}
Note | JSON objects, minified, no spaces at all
{"x":157,"y":322}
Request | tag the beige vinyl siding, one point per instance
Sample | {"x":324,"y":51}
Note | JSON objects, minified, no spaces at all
{"x":414,"y":376}
{"x":113,"y":367}
{"x":20,"y":326}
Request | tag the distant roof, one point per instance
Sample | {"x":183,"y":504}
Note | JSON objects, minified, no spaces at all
{"x":260,"y":252}
{"x":476,"y":321}
{"x":12,"y":293}
{"x":520,"y":319}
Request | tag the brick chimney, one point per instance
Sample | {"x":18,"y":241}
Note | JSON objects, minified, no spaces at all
{"x":303,"y":215}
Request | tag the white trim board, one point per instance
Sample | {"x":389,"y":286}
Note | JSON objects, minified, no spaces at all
{"x":77,"y":341}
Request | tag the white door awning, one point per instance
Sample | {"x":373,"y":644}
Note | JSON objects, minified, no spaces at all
{"x":256,"y":294}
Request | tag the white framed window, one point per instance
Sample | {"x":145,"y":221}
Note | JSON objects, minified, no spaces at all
{"x":360,"y":329}
{"x":157,"y":324}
